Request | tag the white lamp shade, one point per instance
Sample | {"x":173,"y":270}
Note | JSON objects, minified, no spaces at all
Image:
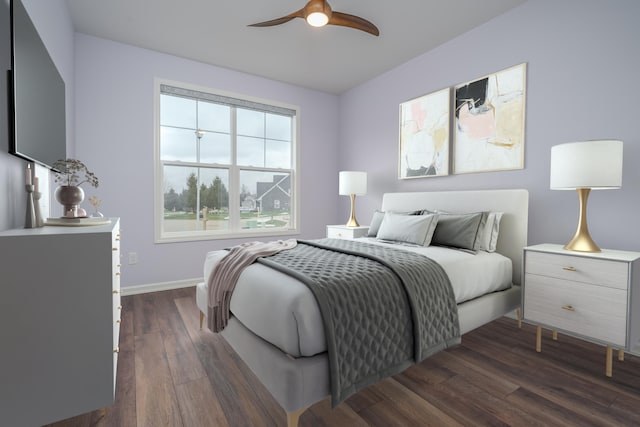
{"x":591,"y":164}
{"x":351,"y":182}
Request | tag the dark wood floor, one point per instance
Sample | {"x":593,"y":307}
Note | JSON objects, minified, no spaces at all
{"x":172,"y":374}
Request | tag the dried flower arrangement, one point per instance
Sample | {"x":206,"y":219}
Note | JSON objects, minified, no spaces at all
{"x":72,"y":172}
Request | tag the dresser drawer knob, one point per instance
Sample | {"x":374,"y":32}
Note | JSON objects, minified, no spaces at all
{"x":116,"y":291}
{"x":568,"y":308}
{"x":118,"y":321}
{"x":114,"y":249}
{"x":116,"y":350}
{"x":569,"y":268}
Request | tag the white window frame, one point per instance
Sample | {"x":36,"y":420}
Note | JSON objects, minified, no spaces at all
{"x":234,"y":173}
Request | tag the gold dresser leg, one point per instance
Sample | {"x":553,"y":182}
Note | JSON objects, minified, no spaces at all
{"x":621,"y":355}
{"x":609,"y":362}
{"x":555,"y":335}
{"x":539,"y":339}
{"x":519,"y":315}
{"x":294,"y":417}
{"x":201,"y":319}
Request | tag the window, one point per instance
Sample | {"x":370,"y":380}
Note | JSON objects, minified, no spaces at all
{"x":225,"y":165}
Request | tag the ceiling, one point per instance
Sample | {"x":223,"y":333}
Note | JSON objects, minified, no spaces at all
{"x":330,"y":59}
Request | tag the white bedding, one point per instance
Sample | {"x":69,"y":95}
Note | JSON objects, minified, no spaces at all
{"x":284,"y":312}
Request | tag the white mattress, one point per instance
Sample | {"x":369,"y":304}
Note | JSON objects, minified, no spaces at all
{"x":284,"y":312}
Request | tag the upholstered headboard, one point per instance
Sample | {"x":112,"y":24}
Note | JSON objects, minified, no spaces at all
{"x":513,"y":203}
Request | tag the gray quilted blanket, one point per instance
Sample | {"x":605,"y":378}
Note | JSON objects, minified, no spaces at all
{"x":383,"y":308}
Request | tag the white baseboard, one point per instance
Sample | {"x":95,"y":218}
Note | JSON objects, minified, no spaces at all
{"x":156,"y":287}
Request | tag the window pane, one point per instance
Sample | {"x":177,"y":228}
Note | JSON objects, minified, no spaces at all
{"x":278,"y":154}
{"x":184,"y":187}
{"x":278,"y":127}
{"x":214,"y":117}
{"x":215,"y":148}
{"x":250,"y":151}
{"x":177,"y":144}
{"x":215,"y":198}
{"x":265,"y":200}
{"x":178,"y":112}
{"x":250,"y":122}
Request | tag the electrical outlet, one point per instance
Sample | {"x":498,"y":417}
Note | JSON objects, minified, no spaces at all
{"x":133,"y":258}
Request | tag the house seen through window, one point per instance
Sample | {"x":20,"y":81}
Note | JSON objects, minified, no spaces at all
{"x":225,"y":166}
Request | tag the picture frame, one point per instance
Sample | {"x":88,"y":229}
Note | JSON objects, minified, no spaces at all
{"x":424,"y":138}
{"x":489,"y":122}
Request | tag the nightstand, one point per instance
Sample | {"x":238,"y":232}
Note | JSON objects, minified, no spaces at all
{"x":344,"y":232}
{"x":592,"y":296}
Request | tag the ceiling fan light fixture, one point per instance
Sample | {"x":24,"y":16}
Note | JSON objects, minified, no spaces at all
{"x":317,"y":19}
{"x":318,"y":13}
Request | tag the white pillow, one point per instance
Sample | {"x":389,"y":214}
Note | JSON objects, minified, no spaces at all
{"x":414,"y":229}
{"x":489,"y":234}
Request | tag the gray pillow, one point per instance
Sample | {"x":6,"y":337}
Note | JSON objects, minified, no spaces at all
{"x":376,"y":220}
{"x":459,"y":230}
{"x":414,"y":229}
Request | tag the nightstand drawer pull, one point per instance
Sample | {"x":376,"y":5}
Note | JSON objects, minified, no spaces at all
{"x":568,"y":308}
{"x":569,"y":268}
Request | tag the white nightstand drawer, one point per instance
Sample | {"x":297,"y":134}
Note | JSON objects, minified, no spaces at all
{"x":600,"y":272}
{"x":344,"y":232}
{"x":592,"y":311}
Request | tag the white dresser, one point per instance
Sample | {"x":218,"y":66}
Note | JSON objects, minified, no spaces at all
{"x":59,"y":321}
{"x":594,"y":296}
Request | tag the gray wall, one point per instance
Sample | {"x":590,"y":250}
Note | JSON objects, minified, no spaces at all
{"x":582,"y":55}
{"x":115,"y":128}
{"x":583,"y":59}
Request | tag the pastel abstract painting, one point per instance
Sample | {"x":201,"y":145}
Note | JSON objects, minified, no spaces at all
{"x":424,"y":136}
{"x":489,"y":122}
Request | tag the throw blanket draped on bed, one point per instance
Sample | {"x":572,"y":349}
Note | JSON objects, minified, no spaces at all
{"x":383,"y":308}
{"x":224,"y":277}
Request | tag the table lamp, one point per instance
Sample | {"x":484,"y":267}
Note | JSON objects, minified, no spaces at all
{"x":352,"y":184}
{"x":584,"y":166}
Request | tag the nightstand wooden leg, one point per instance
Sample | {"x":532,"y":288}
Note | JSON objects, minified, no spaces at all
{"x":609,"y":363}
{"x":554,"y":335}
{"x":201,"y":319}
{"x":621,"y":355}
{"x":519,"y":316}
{"x":539,"y":339}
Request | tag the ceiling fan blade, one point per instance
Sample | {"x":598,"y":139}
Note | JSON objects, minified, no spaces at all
{"x":278,"y":21}
{"x":352,"y":21}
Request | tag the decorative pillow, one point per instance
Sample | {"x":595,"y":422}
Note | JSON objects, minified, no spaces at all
{"x":459,"y":230}
{"x":488,"y":236}
{"x":414,"y":229}
{"x":376,"y":220}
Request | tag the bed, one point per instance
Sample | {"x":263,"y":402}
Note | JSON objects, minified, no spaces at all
{"x":284,"y":344}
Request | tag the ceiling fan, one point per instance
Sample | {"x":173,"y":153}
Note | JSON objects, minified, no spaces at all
{"x":318,"y":13}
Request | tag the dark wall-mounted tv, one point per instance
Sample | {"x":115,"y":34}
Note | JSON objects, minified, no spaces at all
{"x":36,"y":95}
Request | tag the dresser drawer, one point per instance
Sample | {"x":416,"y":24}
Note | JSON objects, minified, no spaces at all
{"x":592,"y":311}
{"x":600,"y":272}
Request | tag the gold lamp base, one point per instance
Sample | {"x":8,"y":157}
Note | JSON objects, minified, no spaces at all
{"x":353,"y":222}
{"x":582,"y":241}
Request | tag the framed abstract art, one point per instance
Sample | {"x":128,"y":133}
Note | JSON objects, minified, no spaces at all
{"x":424,"y":136}
{"x":488,"y":124}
